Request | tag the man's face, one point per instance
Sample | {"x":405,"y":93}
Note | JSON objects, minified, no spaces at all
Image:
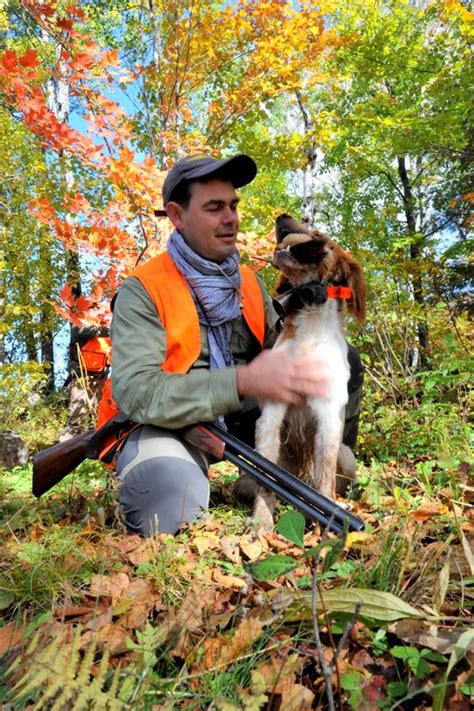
{"x":210,"y":222}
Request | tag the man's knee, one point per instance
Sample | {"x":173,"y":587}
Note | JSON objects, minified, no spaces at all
{"x":159,"y":495}
{"x":163,"y":482}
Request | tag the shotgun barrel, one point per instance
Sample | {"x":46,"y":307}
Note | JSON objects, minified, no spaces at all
{"x":288,"y":483}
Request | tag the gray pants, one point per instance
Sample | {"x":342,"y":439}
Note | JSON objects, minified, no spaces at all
{"x":163,"y":481}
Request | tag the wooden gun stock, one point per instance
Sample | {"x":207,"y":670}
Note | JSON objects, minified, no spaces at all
{"x":53,"y":464}
{"x":202,"y":438}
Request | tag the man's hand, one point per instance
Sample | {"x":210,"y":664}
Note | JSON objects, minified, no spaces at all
{"x":277,"y":376}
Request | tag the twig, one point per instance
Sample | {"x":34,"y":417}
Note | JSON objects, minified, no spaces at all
{"x":347,"y":630}
{"x":328,"y":669}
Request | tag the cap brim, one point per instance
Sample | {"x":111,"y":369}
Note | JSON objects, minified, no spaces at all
{"x":239,"y":170}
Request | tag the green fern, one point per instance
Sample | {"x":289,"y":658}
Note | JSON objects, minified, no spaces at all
{"x":57,"y":677}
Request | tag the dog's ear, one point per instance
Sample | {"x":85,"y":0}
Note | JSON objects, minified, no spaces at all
{"x":355,"y":279}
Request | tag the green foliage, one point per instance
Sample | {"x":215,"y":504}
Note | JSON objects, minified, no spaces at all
{"x":291,"y":525}
{"x":46,"y":561}
{"x":273,"y":567}
{"x":410,"y":411}
{"x":392,"y":95}
{"x":417,"y":660}
{"x":47,"y":570}
{"x":24,"y":407}
{"x":163,"y":570}
{"x":32,"y":262}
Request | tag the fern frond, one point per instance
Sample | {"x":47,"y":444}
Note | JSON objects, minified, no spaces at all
{"x":58,"y":677}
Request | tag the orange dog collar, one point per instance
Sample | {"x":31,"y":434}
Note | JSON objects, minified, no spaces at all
{"x":339,"y":292}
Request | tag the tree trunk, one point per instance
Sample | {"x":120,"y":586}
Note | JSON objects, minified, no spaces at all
{"x":415,"y":256}
{"x":59,"y":103}
{"x":308,"y":203}
{"x":46,"y":332}
{"x":47,"y":351}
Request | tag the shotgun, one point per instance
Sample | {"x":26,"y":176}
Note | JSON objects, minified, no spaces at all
{"x":53,"y":464}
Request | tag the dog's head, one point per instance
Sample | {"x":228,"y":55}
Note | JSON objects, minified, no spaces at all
{"x":303,"y":255}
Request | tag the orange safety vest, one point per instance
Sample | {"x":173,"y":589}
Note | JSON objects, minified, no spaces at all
{"x":178,"y":314}
{"x":96,"y":354}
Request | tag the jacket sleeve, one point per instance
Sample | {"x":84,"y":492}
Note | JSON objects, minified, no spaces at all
{"x":143,"y":391}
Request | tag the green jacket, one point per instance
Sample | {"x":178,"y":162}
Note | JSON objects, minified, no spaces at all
{"x":149,"y":395}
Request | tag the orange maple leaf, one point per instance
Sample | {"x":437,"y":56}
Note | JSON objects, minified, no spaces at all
{"x":10,"y":61}
{"x":29,"y":58}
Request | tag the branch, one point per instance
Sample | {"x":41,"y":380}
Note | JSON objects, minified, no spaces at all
{"x":391,"y":180}
{"x":439,"y":227}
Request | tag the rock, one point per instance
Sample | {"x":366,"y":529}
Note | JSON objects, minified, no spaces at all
{"x":13,"y":451}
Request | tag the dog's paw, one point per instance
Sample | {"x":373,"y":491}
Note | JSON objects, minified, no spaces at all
{"x":262,"y":516}
{"x":263,"y":525}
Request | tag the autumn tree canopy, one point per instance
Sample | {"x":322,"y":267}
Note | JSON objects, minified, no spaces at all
{"x":358,"y":118}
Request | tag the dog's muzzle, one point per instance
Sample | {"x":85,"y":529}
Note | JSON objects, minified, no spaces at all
{"x":311,"y":294}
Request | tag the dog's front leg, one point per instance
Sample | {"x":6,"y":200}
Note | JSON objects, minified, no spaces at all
{"x":267,"y":443}
{"x":328,"y":440}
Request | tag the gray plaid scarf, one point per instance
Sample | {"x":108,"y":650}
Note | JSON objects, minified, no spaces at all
{"x":215,"y":292}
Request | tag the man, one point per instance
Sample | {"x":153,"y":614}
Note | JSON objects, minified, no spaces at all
{"x":88,"y":367}
{"x":190,"y":333}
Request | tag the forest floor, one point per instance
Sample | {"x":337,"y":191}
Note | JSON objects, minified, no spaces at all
{"x":221,"y":617}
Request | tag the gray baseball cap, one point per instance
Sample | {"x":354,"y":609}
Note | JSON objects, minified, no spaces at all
{"x":239,"y":171}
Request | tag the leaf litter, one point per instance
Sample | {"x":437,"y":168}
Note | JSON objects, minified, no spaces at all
{"x":190,"y":615}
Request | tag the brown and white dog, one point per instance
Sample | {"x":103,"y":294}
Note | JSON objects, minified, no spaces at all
{"x":317,"y":276}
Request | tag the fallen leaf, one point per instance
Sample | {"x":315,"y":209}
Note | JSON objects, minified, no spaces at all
{"x":187,"y":564}
{"x":111,"y":636}
{"x":232,"y":582}
{"x":75,"y":610}
{"x":99,"y":621}
{"x":312,"y":538}
{"x":428,"y":510}
{"x":141,"y":601}
{"x":128,"y":543}
{"x":295,"y":696}
{"x":205,"y":543}
{"x":114,"y":586}
{"x":222,"y":651}
{"x":178,"y":625}
{"x":253,"y":550}
{"x":358,"y":539}
{"x":427,"y":634}
{"x":269,"y":674}
{"x":230,"y":548}
{"x":361,"y":659}
{"x":275,"y":541}
{"x":10,"y":637}
{"x":144,"y":553}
